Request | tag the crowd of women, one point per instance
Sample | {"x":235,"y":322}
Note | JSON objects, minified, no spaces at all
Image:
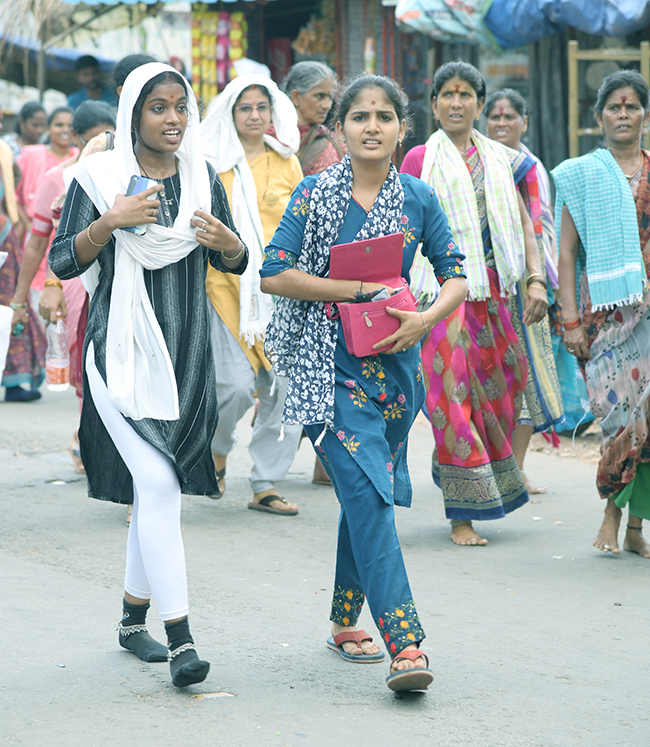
{"x":252,"y":280}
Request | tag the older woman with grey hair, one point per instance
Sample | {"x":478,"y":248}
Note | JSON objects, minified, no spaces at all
{"x":309,"y":85}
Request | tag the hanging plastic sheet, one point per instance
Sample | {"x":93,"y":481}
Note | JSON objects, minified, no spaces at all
{"x":444,"y":20}
{"x":518,"y":22}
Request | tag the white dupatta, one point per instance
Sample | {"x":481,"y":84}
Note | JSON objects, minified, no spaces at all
{"x":139,"y":372}
{"x":224,"y":151}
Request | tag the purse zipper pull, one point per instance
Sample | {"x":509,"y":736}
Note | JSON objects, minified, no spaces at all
{"x":368,"y":322}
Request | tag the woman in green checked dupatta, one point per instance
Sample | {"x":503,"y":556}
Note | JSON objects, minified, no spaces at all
{"x":476,"y":366}
{"x":603,"y":207}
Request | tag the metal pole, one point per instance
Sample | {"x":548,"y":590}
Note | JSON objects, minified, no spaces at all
{"x":573,"y":100}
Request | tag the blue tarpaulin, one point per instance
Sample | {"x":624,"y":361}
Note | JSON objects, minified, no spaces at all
{"x":517,"y":22}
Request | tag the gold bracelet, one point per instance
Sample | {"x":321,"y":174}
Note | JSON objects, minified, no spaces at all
{"x":50,"y":282}
{"x":535,"y":277}
{"x":538,"y":283}
{"x":424,"y":321}
{"x":90,"y":238}
{"x":239,"y":253}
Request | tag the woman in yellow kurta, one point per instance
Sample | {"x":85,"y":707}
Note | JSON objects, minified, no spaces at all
{"x":259,"y":173}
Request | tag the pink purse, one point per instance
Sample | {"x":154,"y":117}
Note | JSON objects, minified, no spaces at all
{"x":373,"y":261}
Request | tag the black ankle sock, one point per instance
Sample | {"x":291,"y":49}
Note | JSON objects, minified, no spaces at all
{"x":185,"y":665}
{"x":139,"y":641}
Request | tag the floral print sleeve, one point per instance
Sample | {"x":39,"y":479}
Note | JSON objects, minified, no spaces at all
{"x":283,"y":251}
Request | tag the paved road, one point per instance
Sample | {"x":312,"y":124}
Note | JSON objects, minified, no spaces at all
{"x":536,"y":640}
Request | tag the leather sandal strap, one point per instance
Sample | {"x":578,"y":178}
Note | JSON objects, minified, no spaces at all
{"x":352,"y":635}
{"x":412,"y":654}
{"x":268,"y":499}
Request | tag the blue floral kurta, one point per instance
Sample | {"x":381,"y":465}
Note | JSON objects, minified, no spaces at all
{"x":377,"y":397}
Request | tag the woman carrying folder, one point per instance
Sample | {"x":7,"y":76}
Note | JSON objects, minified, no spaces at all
{"x":358,"y":411}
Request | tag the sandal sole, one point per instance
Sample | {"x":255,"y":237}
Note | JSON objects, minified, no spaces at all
{"x":410,"y":679}
{"x":267,"y":509}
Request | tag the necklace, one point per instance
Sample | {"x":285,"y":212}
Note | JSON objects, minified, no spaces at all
{"x":356,"y":197}
{"x":270,"y":199}
{"x":635,"y":170}
{"x":160,"y":195}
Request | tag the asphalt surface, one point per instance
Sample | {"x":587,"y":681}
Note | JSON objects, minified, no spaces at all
{"x":536,"y":640}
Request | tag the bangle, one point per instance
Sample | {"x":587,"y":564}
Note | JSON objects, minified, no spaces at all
{"x":572,"y":325}
{"x":538,"y":283}
{"x":16,"y":306}
{"x":239,"y":253}
{"x":535,"y":277}
{"x":90,"y":237}
{"x":52,"y":282}
{"x":424,"y":321}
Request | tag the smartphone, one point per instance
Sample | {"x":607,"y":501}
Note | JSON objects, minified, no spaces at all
{"x":139,"y":184}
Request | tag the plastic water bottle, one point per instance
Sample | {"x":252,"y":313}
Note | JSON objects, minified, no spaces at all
{"x":57,"y":358}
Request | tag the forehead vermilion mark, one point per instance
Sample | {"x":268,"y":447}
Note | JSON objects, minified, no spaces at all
{"x":372,"y":102}
{"x":456,"y":88}
{"x":623,"y":98}
{"x":501,"y":110}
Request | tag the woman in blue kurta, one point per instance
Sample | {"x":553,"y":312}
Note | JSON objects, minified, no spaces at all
{"x":358,"y":411}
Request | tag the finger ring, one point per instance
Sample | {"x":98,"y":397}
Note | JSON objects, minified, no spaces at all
{"x":205,"y":223}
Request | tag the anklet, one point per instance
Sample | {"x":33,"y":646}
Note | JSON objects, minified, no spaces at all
{"x":638,"y":529}
{"x":178,"y":651}
{"x":127,"y":630}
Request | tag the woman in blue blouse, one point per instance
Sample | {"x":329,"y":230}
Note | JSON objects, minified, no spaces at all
{"x":358,"y":411}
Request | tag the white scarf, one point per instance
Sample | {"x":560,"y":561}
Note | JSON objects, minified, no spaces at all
{"x":224,"y":151}
{"x":445,"y":170}
{"x":139,"y":372}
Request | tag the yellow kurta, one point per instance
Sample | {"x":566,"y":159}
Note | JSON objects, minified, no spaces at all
{"x":275,"y":179}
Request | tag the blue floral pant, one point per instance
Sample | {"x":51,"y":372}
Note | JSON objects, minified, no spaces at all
{"x":369,"y":560}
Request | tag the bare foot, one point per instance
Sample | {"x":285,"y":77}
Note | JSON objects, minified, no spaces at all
{"x":464,"y":534}
{"x":75,"y":453}
{"x":634,"y":542}
{"x":531,"y":488}
{"x":399,"y":665}
{"x":607,"y":537}
{"x":280,"y":505}
{"x":350,"y":647}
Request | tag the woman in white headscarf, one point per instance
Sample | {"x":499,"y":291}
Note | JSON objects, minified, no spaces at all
{"x":259,"y":173}
{"x":149,"y":406}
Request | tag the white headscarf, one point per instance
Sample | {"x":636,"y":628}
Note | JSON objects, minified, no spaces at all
{"x":224,"y":150}
{"x":139,"y":373}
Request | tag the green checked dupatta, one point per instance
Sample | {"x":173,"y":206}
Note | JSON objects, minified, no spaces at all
{"x":444,"y":169}
{"x":600,"y":201}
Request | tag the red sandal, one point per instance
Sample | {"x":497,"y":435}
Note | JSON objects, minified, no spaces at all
{"x":410,"y":679}
{"x":336,"y":644}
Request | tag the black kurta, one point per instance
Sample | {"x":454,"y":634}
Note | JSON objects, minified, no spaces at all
{"x":177,"y":294}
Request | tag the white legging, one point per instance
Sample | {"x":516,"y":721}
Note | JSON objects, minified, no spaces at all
{"x":155,"y":557}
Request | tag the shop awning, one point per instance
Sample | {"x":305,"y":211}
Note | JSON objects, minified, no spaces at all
{"x":443,"y":20}
{"x":514,"y":23}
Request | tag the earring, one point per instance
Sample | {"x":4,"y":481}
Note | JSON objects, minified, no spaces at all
{"x":399,"y":142}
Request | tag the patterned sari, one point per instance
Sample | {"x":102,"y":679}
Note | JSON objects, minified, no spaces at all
{"x":618,"y":378}
{"x":476,"y":373}
{"x":26,"y":356}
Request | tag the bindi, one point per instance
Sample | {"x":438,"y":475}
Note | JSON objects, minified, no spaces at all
{"x":457,"y":88}
{"x":623,"y":98}
{"x":372,"y":102}
{"x":502,"y":111}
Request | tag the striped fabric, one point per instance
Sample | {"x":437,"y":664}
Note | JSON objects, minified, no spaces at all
{"x":600,"y":201}
{"x":445,"y":170}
